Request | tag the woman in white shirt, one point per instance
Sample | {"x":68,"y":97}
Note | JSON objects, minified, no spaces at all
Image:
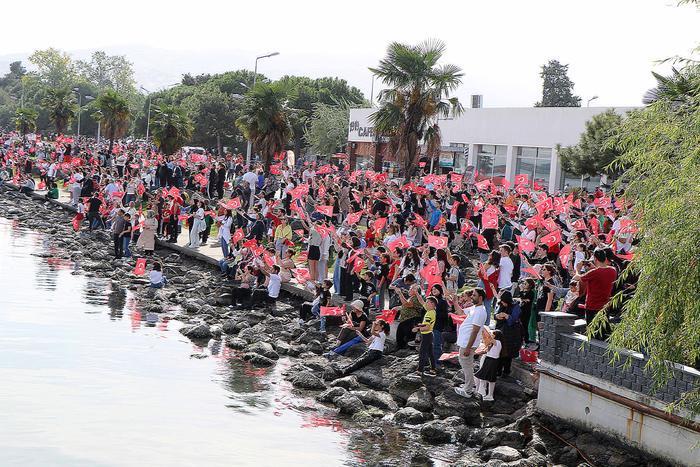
{"x":198,"y":224}
{"x":225,"y":231}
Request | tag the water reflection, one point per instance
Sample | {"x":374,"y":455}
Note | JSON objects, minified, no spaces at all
{"x":75,"y":374}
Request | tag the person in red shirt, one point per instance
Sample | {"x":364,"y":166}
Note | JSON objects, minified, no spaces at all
{"x":598,"y":283}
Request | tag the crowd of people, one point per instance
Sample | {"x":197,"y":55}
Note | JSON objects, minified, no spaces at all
{"x":452,"y":259}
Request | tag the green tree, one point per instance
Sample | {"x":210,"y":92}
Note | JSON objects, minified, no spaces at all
{"x":213,"y":113}
{"x":108,"y":72}
{"x":25,"y":120}
{"x":596,"y":149}
{"x":112,"y":111}
{"x":171,"y":128}
{"x":61,"y":106}
{"x":55,"y":69}
{"x":264,"y":121}
{"x":681,"y":87}
{"x":327,"y":130}
{"x":418,"y":94}
{"x":659,"y":151}
{"x":557,"y":88}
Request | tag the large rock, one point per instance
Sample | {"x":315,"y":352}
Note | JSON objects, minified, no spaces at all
{"x":410,"y":416}
{"x":348,"y":382}
{"x":405,"y":386}
{"x":229,"y":327}
{"x":329,"y":395}
{"x":450,"y":403}
{"x":470,"y":436}
{"x":377,"y":398}
{"x":255,"y":317}
{"x":263,"y":348}
{"x":307,"y":380}
{"x":349,"y":404}
{"x":505,"y":454}
{"x":421,"y":400}
{"x":510,"y":438}
{"x":258,"y":360}
{"x":236,"y":343}
{"x":310,"y":335}
{"x":199,"y":331}
{"x":372,"y":379}
{"x":315,"y":347}
{"x":253,"y":334}
{"x":436,"y":432}
{"x":281,"y":347}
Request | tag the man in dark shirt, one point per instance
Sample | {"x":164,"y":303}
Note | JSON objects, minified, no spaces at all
{"x":93,"y":213}
{"x":220,"y":181}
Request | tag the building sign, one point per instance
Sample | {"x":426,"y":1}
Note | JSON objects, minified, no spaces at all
{"x":447,"y":159}
{"x":361,"y":129}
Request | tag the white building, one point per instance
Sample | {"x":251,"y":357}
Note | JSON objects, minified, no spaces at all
{"x":503,"y":142}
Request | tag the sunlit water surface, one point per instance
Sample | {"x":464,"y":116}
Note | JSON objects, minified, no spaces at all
{"x":87,"y":379}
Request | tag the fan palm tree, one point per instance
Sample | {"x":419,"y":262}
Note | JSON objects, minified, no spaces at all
{"x":60,"y":104}
{"x":171,"y":128}
{"x":25,"y":120}
{"x":681,"y":87}
{"x":264,"y":119}
{"x":114,"y":114}
{"x":418,"y":94}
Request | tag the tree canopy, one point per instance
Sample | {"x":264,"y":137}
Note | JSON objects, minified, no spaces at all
{"x":557,"y":88}
{"x":171,"y":128}
{"x":327,"y":131}
{"x":418,"y":94}
{"x":659,"y":150}
{"x":596,"y":149}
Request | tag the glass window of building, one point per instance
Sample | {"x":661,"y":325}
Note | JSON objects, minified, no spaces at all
{"x":586,"y":182}
{"x":490,"y":161}
{"x":535,"y":162}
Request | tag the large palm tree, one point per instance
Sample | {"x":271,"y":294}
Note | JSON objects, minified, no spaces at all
{"x":25,"y":120}
{"x":114,"y":114}
{"x":171,"y":128}
{"x":681,"y":87}
{"x":264,"y":119}
{"x":418,"y":94}
{"x":60,"y":104}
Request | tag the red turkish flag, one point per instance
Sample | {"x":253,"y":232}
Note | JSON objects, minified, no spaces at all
{"x":325,"y":210}
{"x":237,"y":236}
{"x":76,"y":223}
{"x":564,"y":255}
{"x":354,"y":217}
{"x":457,"y":319}
{"x":579,"y":224}
{"x":302,"y":274}
{"x":333,"y":310}
{"x":388,"y":315}
{"x":550,"y":225}
{"x":532,"y":271}
{"x":482,"y":185}
{"x":533,"y":222}
{"x":419,"y":221}
{"x":140,"y":268}
{"x":558,"y":205}
{"x":522,"y":179}
{"x":437,"y":242}
{"x":250,"y":243}
{"x":379,"y":223}
{"x":603,"y":202}
{"x":455,"y":177}
{"x":481,"y":242}
{"x":358,"y":265}
{"x":489,"y":220}
{"x":525,"y":245}
{"x":544,"y":206}
{"x":522,"y":190}
{"x":431,"y":268}
{"x":401,"y":242}
{"x":552,"y":239}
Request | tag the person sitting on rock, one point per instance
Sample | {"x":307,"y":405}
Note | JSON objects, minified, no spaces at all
{"x":157,"y":277}
{"x":353,"y":330}
{"x":375,"y":347}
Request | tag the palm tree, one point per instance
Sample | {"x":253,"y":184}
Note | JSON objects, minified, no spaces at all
{"x":60,"y":103}
{"x":113,"y":114}
{"x":25,"y":120}
{"x":682,"y":87}
{"x":264,"y":119}
{"x":171,"y":128}
{"x":417,"y":95}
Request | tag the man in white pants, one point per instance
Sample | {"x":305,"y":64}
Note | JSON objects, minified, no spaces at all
{"x":469,"y":338}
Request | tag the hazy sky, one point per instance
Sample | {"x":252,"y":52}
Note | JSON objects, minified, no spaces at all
{"x":611,"y":45}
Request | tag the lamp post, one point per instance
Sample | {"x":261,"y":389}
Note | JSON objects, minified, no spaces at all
{"x":588,"y":104}
{"x":80,"y":106}
{"x":255,"y":76}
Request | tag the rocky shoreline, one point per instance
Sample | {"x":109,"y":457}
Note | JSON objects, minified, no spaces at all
{"x":387,"y":393}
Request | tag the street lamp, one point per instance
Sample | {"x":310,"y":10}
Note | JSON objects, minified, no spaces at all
{"x":80,"y":106}
{"x":588,"y":104}
{"x":148,"y":117}
{"x":255,"y":76}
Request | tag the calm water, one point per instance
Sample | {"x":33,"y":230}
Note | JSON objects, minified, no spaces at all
{"x":86,"y":379}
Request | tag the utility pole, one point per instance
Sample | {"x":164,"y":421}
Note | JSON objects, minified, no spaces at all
{"x":255,"y":76}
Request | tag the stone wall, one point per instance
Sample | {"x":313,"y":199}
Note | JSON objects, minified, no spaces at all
{"x":560,"y":344}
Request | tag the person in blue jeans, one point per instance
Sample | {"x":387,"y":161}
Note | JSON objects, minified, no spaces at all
{"x":357,"y":326}
{"x":126,"y":235}
{"x":441,"y":320}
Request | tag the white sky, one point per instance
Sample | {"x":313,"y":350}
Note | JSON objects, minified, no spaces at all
{"x":611,"y":45}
